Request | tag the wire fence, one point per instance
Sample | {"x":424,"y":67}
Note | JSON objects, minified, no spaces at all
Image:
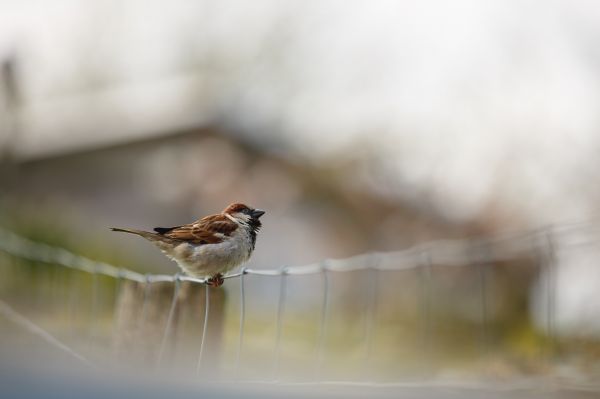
{"x":481,"y":255}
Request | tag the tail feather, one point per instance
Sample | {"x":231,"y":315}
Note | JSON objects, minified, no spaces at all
{"x":142,"y":233}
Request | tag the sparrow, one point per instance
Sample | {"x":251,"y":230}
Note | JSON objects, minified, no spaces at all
{"x":211,"y":246}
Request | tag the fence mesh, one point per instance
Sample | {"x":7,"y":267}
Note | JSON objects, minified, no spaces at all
{"x":471,"y":313}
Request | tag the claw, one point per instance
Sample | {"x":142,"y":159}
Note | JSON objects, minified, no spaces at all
{"x":216,"y":281}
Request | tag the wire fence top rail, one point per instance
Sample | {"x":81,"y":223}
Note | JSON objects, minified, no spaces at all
{"x":449,"y":252}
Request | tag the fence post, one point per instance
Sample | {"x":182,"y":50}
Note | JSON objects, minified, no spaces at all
{"x":141,"y":321}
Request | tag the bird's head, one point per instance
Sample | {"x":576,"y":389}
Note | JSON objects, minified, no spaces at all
{"x":244,"y":214}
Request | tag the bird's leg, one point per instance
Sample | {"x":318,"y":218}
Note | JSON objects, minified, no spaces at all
{"x":216,"y":281}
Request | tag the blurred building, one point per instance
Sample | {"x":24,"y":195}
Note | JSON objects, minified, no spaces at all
{"x":175,"y":178}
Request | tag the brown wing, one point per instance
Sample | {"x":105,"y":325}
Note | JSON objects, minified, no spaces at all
{"x":208,"y":230}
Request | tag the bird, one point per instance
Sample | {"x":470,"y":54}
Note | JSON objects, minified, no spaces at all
{"x":211,"y":246}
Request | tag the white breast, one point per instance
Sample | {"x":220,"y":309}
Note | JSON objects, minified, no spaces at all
{"x":210,"y":259}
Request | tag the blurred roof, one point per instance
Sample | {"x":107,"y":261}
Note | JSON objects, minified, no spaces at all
{"x":108,"y":117}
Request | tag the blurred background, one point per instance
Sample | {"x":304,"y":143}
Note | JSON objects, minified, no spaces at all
{"x":358,"y":126}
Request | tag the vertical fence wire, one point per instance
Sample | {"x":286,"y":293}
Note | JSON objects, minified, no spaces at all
{"x":73,"y":298}
{"x":484,"y":318}
{"x":550,"y":266}
{"x":479,"y":255}
{"x":426,"y":322}
{"x":538,"y":254}
{"x":141,"y":324}
{"x":115,"y":312}
{"x":169,"y":325}
{"x":37,"y":282}
{"x":279,"y":326}
{"x":204,"y":328}
{"x":238,"y":357}
{"x":371,"y":312}
{"x":117,"y":294}
{"x":56,"y":288}
{"x":94,"y":292}
{"x":322,"y":323}
{"x":545,"y":256}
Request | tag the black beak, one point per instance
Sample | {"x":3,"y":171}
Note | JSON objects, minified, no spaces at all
{"x":256,"y":213}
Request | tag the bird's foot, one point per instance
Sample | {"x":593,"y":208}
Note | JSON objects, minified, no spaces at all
{"x":216,"y":281}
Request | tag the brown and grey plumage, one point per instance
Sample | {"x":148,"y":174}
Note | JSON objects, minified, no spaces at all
{"x":211,"y":246}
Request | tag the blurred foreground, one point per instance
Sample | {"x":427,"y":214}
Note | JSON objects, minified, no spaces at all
{"x":466,"y":313}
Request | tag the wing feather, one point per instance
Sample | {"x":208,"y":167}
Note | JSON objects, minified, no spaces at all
{"x":208,"y":230}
